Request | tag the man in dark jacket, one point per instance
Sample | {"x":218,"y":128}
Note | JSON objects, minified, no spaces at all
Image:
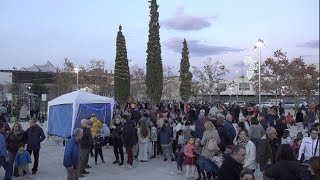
{"x":267,"y":149}
{"x":85,"y":146}
{"x":129,"y":137}
{"x":232,"y":165}
{"x":136,"y":115}
{"x":34,"y":136}
{"x":71,"y":160}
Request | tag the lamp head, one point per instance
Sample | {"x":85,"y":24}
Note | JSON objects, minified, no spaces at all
{"x":76,"y":70}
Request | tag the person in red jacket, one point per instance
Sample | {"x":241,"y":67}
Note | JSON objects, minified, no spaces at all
{"x":289,"y":119}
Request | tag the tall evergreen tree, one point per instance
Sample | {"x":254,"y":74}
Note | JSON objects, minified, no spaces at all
{"x":185,"y":74}
{"x":154,"y":77}
{"x":121,"y":72}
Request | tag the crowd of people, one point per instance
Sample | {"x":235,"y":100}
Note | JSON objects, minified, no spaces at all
{"x":209,"y":141}
{"x":17,"y":146}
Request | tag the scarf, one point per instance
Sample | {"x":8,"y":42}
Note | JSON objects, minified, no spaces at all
{"x":243,"y":143}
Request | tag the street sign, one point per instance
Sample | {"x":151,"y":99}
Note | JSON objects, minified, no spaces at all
{"x":44,"y":97}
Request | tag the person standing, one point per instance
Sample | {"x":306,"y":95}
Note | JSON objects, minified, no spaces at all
{"x":71,"y":159}
{"x":15,"y":137}
{"x":250,"y":160}
{"x":310,"y":146}
{"x":85,"y":146}
{"x":129,"y":137}
{"x":34,"y":136}
{"x":4,"y":157}
{"x":143,"y":138}
{"x":117,"y":141}
{"x":299,"y":120}
{"x":267,"y":149}
{"x":98,"y":143}
{"x":232,"y":165}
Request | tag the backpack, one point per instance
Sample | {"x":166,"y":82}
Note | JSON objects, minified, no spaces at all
{"x":212,"y":145}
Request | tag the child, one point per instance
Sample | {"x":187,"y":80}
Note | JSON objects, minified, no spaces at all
{"x":197,"y":151}
{"x":180,"y":137}
{"x":98,"y":143}
{"x":187,"y":131}
{"x":179,"y":158}
{"x":154,"y":139}
{"x":190,"y":159}
{"x":286,"y":139}
{"x":22,"y":161}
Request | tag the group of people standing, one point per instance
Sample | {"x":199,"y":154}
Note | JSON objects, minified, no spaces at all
{"x":212,"y":142}
{"x":16,"y":147}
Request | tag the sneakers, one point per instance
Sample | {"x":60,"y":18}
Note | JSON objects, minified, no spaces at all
{"x":103,"y":161}
{"x":115,"y":162}
{"x":96,"y":163}
{"x":121,"y":163}
{"x":165,"y":159}
{"x":152,"y":157}
{"x":30,"y":177}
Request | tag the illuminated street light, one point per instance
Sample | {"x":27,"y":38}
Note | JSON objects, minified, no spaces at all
{"x":258,"y":46}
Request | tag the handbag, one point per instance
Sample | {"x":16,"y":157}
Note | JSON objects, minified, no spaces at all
{"x":212,"y":145}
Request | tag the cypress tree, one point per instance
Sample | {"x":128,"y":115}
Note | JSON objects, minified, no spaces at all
{"x":121,"y":71}
{"x":154,"y":76}
{"x":185,"y":74}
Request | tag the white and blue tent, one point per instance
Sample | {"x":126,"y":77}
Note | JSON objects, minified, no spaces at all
{"x":66,"y":112}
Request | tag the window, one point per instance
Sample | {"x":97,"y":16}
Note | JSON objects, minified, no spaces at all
{"x":244,"y":86}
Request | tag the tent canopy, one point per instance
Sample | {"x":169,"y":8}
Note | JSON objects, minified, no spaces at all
{"x":66,"y":111}
{"x":82,"y":96}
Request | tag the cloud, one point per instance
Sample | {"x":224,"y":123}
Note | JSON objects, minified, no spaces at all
{"x":197,"y":48}
{"x":187,"y":23}
{"x":183,"y":22}
{"x":314,"y":44}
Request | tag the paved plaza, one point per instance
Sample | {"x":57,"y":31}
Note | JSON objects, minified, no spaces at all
{"x":51,"y":158}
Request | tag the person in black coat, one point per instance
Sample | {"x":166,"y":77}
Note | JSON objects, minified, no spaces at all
{"x":117,"y":141}
{"x":286,"y":166}
{"x":223,"y":134}
{"x":34,"y":136}
{"x":232,"y":165}
{"x":280,"y":126}
{"x":15,"y":137}
{"x":129,"y":137}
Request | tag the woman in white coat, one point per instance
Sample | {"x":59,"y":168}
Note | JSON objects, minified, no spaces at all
{"x":250,"y":161}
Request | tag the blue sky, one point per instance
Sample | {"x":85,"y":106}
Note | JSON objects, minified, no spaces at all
{"x":34,"y":31}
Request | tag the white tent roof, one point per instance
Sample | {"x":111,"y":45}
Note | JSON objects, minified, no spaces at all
{"x":82,"y":96}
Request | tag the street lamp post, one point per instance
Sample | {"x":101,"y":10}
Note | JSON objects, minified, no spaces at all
{"x":259,"y":45}
{"x":237,"y":87}
{"x":76,"y":70}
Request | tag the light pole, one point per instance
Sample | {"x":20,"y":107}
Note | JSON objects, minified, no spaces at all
{"x":237,"y":87}
{"x":76,"y":70}
{"x":259,"y":45}
{"x":230,"y":93}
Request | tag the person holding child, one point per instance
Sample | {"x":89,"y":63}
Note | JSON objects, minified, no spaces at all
{"x":22,"y":161}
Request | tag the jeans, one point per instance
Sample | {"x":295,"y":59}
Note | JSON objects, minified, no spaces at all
{"x":118,"y":149}
{"x":143,"y":151}
{"x":179,"y":166}
{"x":154,"y":148}
{"x":6,"y":167}
{"x":130,"y":155}
{"x":36,"y":158}
{"x":84,"y":158}
{"x":300,"y":126}
{"x":167,"y":150}
{"x":98,"y":151}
